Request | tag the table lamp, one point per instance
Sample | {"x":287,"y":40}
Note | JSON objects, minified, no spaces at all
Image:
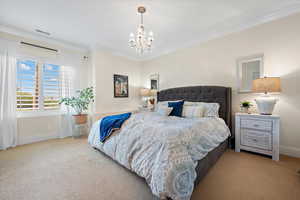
{"x":266,"y":103}
{"x":145,"y":93}
{"x":153,"y":92}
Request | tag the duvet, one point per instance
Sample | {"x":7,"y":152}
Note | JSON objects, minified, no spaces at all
{"x":163,"y":150}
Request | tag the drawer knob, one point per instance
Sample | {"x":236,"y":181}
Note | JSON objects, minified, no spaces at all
{"x":256,"y":125}
{"x":254,"y":140}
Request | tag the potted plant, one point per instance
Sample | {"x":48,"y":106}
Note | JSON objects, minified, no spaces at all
{"x":80,"y":104}
{"x":245,"y":105}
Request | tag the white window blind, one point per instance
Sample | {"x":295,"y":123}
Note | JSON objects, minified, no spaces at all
{"x":41,"y":85}
{"x":67,"y":86}
{"x":51,"y":86}
{"x":27,"y":85}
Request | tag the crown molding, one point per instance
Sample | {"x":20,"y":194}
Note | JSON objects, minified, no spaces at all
{"x":232,"y":26}
{"x":216,"y":31}
{"x":34,"y":36}
{"x":114,"y":52}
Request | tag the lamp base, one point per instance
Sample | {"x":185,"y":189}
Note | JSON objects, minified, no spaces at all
{"x":265,"y":104}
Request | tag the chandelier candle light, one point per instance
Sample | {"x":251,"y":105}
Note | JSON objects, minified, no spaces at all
{"x":141,"y":41}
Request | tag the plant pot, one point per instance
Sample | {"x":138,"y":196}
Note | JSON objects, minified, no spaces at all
{"x":80,"y":119}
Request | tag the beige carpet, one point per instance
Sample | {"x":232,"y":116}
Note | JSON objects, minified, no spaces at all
{"x":70,"y":169}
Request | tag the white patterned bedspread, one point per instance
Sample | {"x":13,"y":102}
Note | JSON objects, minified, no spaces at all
{"x":163,"y":150}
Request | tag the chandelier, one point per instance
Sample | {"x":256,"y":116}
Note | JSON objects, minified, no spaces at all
{"x":142,"y":41}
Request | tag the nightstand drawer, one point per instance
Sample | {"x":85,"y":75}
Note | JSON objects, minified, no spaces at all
{"x":257,"y":139}
{"x":256,"y":124}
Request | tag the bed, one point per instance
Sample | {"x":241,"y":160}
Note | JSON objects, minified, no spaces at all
{"x":218,"y":94}
{"x":173,"y":154}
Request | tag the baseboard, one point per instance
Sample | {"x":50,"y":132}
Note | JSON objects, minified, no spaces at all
{"x":290,"y":151}
{"x":33,"y":139}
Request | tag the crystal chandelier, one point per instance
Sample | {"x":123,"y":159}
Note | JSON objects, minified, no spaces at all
{"x":141,"y":42}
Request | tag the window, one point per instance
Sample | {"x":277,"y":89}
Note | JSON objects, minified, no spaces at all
{"x":38,"y":86}
{"x":27,"y":85}
{"x":51,"y":89}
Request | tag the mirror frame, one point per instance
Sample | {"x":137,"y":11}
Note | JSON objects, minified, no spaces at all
{"x":154,"y":77}
{"x":240,"y":61}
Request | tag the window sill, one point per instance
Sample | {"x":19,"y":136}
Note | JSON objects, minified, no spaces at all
{"x":29,"y":114}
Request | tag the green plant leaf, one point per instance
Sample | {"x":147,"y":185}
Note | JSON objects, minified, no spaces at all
{"x":81,"y":102}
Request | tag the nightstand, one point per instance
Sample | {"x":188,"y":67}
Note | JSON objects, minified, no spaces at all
{"x":257,"y":133}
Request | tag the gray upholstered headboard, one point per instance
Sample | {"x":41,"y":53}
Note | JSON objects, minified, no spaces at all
{"x":218,"y":94}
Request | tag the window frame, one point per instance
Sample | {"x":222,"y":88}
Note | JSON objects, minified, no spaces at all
{"x":40,"y":111}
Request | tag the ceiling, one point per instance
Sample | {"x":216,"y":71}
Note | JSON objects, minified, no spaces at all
{"x":106,"y":24}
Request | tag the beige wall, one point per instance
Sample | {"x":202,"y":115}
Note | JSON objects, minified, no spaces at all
{"x":104,"y":66}
{"x":214,"y":63}
{"x":33,"y":129}
{"x":209,"y":63}
{"x":43,"y":126}
{"x":97,"y":72}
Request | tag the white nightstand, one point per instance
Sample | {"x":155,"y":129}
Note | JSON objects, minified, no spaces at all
{"x":257,"y":133}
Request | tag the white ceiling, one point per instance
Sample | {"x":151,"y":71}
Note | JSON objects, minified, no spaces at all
{"x":107,"y":23}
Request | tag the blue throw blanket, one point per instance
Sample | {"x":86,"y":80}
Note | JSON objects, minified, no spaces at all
{"x":110,"y":123}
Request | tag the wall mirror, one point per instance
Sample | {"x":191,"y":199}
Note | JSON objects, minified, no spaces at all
{"x":248,"y":69}
{"x":154,"y":81}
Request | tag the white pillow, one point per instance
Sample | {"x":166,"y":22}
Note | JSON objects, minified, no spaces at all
{"x":164,"y":110}
{"x":210,"y":109}
{"x":193,"y":111}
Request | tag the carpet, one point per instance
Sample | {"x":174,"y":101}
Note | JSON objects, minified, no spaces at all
{"x":69,"y":169}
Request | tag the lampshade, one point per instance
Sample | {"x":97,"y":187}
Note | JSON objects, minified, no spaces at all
{"x":153,"y":92}
{"x":145,"y":92}
{"x":266,"y":84}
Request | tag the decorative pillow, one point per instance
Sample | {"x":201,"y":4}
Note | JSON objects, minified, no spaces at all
{"x":210,"y":109}
{"x":163,"y":104}
{"x":164,"y":110}
{"x":177,"y":108}
{"x":193,"y":111}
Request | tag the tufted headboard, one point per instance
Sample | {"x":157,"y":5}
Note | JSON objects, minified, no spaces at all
{"x":217,"y":94}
